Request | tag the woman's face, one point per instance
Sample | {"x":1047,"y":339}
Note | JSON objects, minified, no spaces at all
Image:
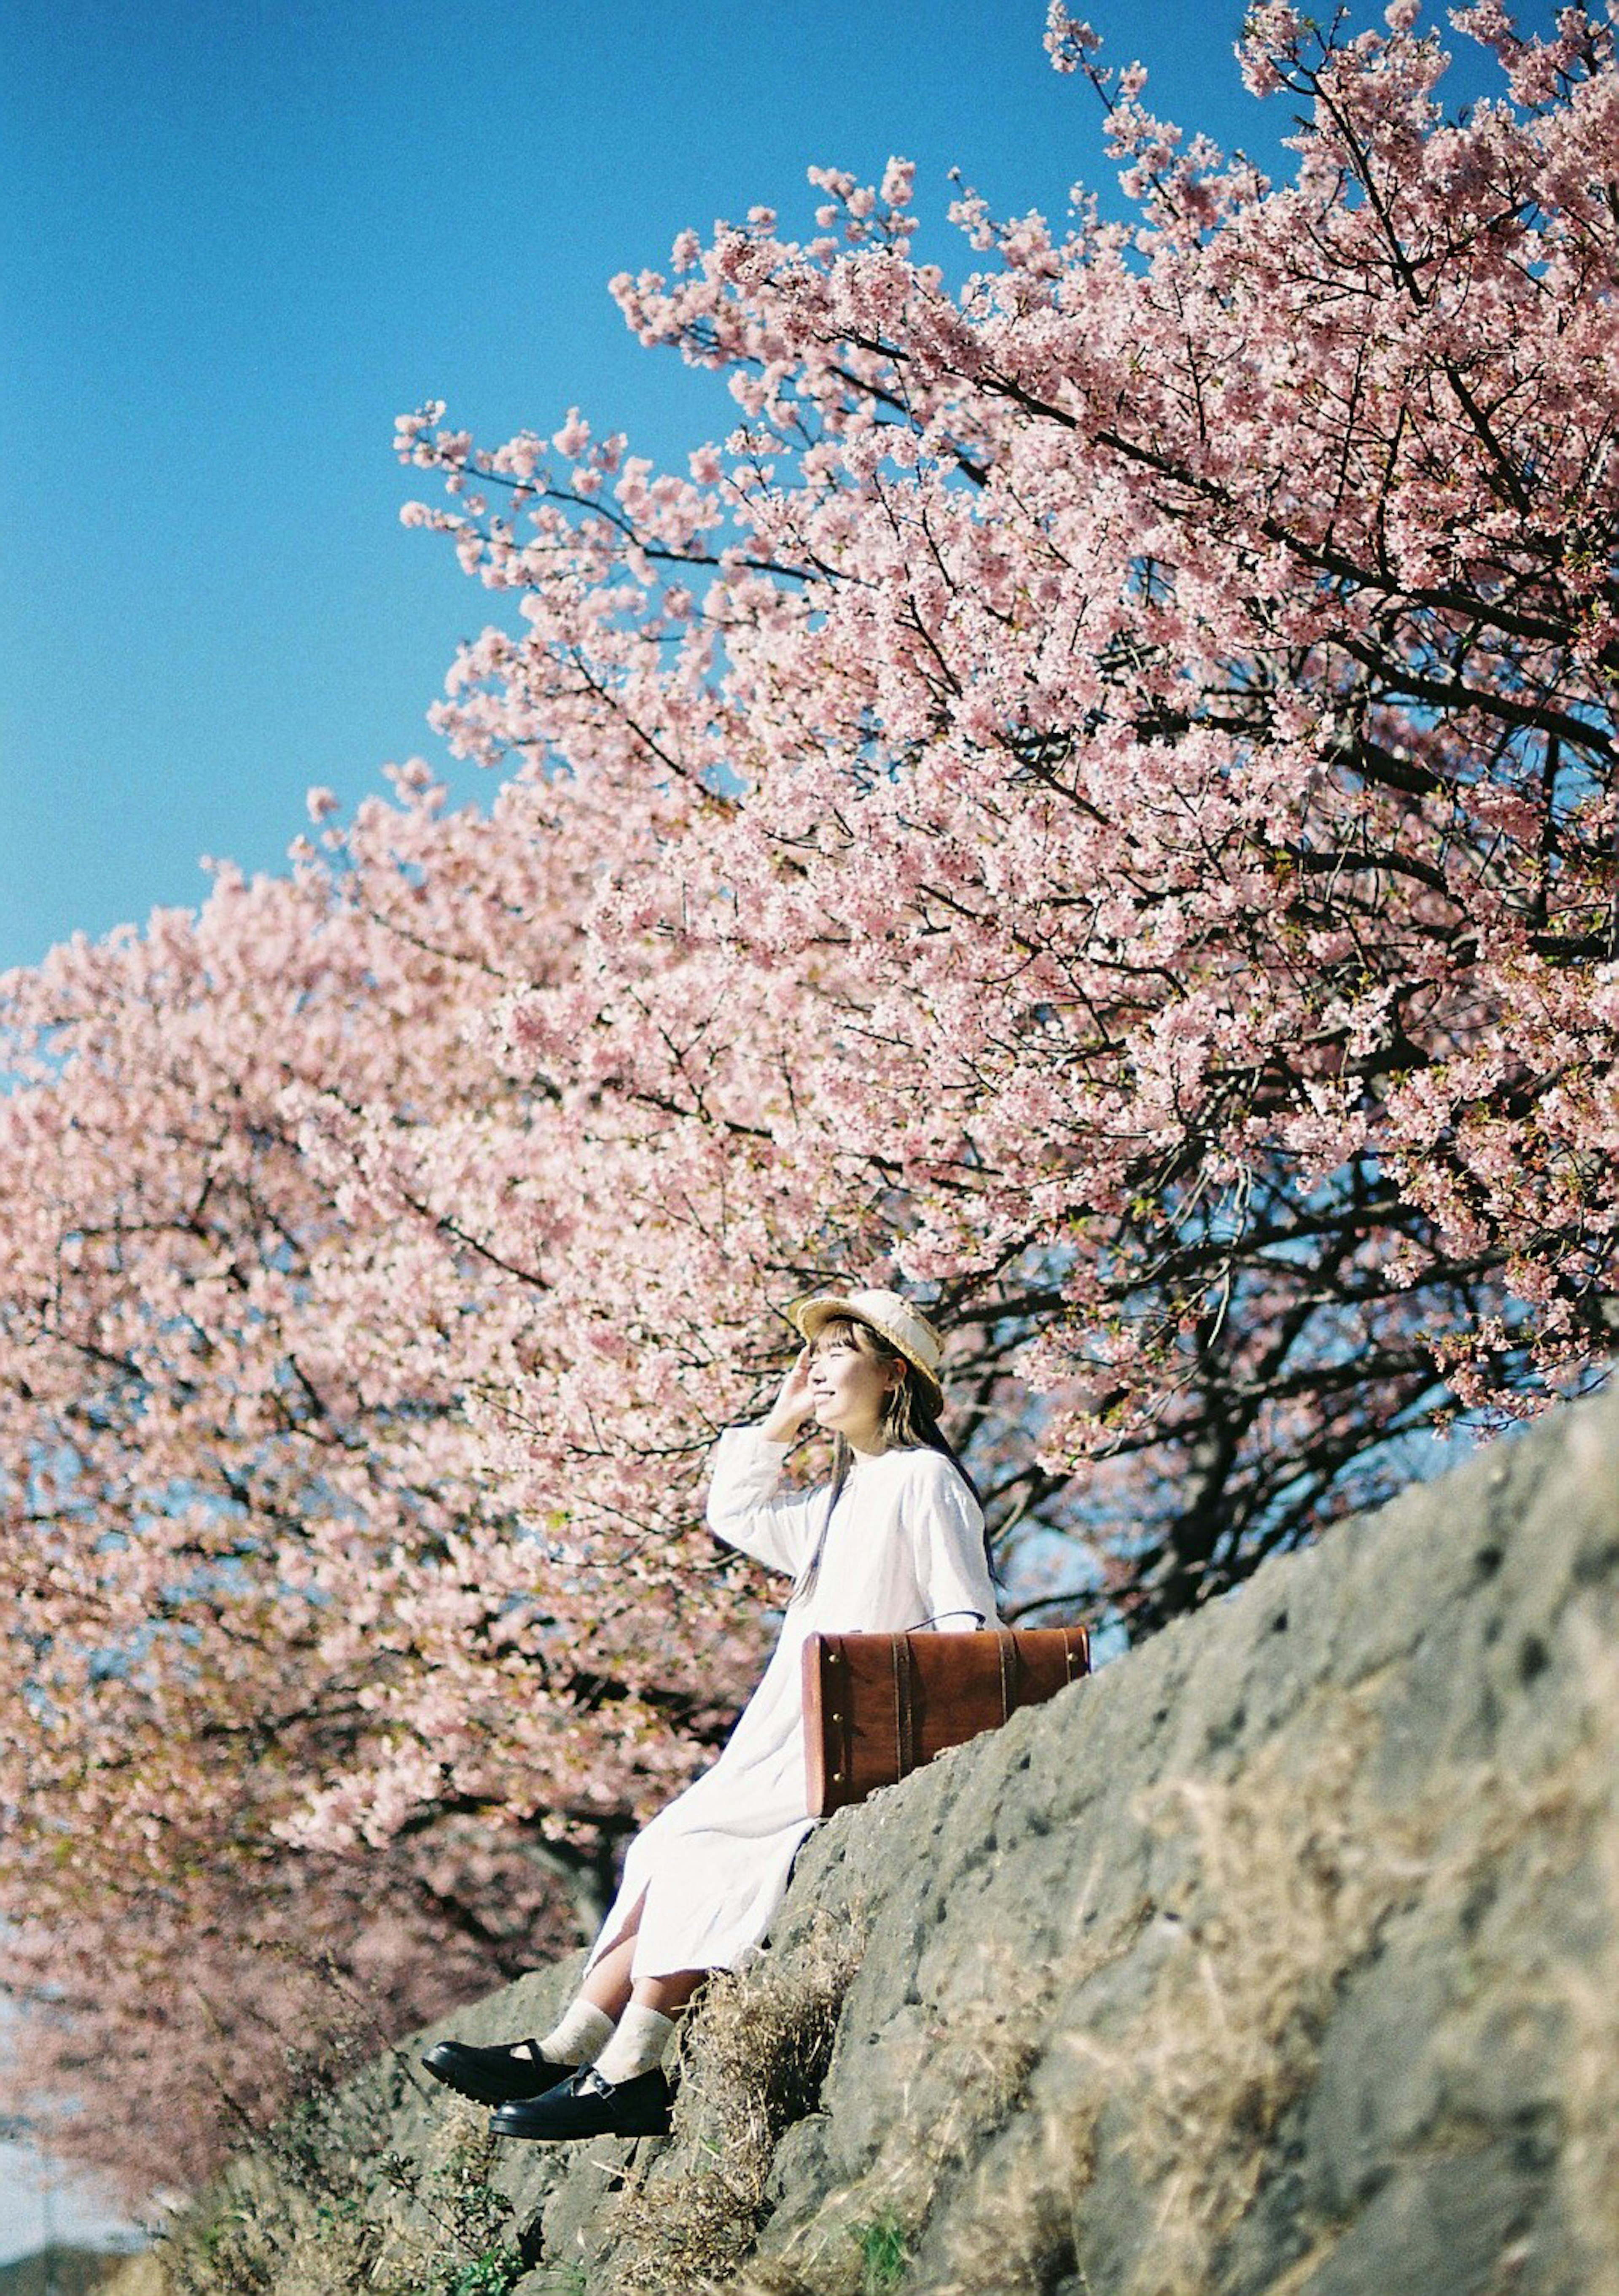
{"x":850,"y":1388}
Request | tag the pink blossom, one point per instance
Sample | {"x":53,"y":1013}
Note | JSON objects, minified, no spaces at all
{"x":574,"y":436}
{"x":1068,"y":39}
{"x":899,"y":183}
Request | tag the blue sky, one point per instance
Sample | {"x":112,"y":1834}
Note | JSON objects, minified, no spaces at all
{"x":239,"y":236}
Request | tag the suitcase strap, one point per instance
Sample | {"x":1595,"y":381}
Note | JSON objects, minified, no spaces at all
{"x":905,"y":1703}
{"x":904,"y":1715}
{"x":1006,"y":1640}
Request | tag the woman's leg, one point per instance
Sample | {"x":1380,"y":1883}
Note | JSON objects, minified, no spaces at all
{"x":643,"y":2010}
{"x":643,"y":2033}
{"x":646,"y":2026}
{"x":607,"y":1986}
{"x":667,"y":1994}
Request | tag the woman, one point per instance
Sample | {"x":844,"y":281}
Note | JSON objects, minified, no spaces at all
{"x":896,"y":1541}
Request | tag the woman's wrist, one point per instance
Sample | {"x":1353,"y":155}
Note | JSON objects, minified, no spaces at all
{"x":779,"y":1426}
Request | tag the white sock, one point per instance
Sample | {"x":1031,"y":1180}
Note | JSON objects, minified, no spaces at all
{"x":578,"y":2033}
{"x":637,"y":2045}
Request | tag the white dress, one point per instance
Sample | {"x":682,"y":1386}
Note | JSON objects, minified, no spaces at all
{"x":904,"y":1548}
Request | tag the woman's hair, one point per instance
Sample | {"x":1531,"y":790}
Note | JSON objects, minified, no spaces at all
{"x":910,"y":1419}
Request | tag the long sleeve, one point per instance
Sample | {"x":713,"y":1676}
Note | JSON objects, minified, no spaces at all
{"x":743,"y":1509}
{"x":947,"y":1529}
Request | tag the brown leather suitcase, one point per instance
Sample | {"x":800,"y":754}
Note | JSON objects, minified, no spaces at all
{"x":876,"y":1707}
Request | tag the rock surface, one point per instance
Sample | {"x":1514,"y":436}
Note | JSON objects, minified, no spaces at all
{"x":1281,"y":1958}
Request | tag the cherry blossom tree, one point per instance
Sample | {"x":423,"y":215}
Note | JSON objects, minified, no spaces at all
{"x":293,"y":1689}
{"x":1151,"y":714}
{"x":1094,"y":799}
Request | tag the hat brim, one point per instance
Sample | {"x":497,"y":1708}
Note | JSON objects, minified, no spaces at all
{"x":816,"y":1309}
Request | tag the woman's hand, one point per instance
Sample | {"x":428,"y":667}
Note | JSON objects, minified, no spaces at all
{"x":793,"y":1404}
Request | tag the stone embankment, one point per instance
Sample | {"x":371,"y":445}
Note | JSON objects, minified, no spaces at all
{"x":1281,"y":1959}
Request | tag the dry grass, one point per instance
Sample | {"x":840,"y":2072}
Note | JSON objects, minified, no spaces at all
{"x":1293,"y":1871}
{"x":1290,"y":1881}
{"x":964,"y":2080}
{"x":139,"y":2275}
{"x":1282,"y":1893}
{"x":752,"y":2062}
{"x":308,"y":2214}
{"x":1010,"y":2228}
{"x":1280,"y":1896}
{"x":1590,"y":1993}
{"x":458,"y":2239}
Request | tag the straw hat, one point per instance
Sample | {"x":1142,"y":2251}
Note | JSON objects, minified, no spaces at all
{"x":895,"y":1319}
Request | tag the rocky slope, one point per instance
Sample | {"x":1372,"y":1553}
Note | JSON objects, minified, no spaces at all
{"x":1283,"y":1956}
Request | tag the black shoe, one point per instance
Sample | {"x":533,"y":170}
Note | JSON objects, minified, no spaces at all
{"x":493,"y":2076}
{"x":586,"y":2105}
